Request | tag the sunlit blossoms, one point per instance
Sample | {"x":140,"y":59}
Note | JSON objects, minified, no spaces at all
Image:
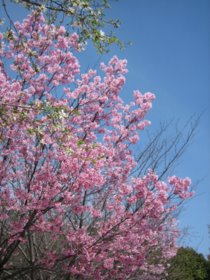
{"x":69,"y":206}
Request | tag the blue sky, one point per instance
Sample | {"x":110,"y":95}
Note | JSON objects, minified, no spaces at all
{"x":170,"y":57}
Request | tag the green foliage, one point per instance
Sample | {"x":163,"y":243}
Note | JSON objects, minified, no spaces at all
{"x":208,"y":267}
{"x":86,"y":17}
{"x":188,"y":265}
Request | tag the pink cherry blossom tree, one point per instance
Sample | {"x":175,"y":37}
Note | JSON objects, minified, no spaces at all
{"x":69,"y":206}
{"x":87,"y":17}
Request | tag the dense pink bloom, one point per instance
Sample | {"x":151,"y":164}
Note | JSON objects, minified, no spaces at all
{"x":66,"y":161}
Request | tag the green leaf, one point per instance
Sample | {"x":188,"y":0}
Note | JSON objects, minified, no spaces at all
{"x":80,"y":143}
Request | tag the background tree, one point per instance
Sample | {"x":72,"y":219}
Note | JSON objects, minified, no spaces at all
{"x":188,"y":265}
{"x":208,"y":266}
{"x":208,"y":259}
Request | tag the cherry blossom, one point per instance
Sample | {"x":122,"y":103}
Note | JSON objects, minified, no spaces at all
{"x":68,"y":202}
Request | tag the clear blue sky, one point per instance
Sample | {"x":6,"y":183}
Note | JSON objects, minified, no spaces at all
{"x":170,"y":57}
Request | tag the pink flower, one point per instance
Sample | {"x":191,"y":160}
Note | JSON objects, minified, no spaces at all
{"x":109,"y":263}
